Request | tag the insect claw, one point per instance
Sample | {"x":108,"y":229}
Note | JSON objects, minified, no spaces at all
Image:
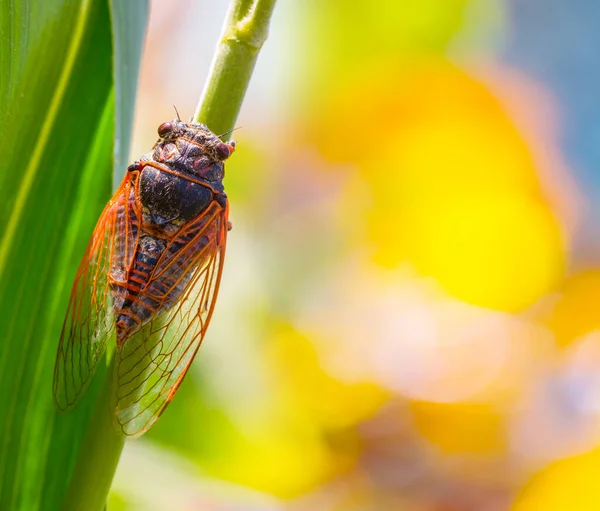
{"x":229,"y":226}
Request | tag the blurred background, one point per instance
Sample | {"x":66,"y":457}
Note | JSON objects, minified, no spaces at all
{"x":408,"y":317}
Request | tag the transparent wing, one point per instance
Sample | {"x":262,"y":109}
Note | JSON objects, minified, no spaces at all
{"x":89,"y":321}
{"x":183,"y":287}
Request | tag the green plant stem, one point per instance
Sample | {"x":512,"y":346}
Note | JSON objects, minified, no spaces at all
{"x":100,"y":452}
{"x":245,"y":31}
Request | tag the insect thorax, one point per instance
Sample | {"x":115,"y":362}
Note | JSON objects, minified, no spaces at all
{"x":169,"y":197}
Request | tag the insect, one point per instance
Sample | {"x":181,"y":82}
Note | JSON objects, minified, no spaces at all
{"x":149,"y":277}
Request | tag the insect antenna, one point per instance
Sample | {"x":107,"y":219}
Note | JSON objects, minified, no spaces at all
{"x":178,"y":118}
{"x":229,"y":132}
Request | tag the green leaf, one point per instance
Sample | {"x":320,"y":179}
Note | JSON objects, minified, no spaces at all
{"x":129,"y":19}
{"x":57,"y":125}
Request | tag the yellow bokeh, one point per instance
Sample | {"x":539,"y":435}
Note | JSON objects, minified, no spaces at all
{"x":452,"y":188}
{"x":429,"y":117}
{"x":576,"y":313}
{"x":473,"y":428}
{"x":566,"y":485}
{"x":499,"y":251}
{"x":365,"y":41}
{"x":307,"y":434}
{"x":336,"y":405}
{"x":285,"y":459}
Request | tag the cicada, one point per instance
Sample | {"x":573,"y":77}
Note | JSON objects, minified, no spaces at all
{"x":149,"y":277}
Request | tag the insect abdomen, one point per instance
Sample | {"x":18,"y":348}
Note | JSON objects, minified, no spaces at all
{"x":131,"y":310}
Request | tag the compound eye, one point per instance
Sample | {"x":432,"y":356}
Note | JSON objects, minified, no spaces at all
{"x":224,"y":150}
{"x":164,"y":129}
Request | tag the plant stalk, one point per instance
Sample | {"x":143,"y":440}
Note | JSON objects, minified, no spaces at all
{"x":245,"y":31}
{"x":99,"y":455}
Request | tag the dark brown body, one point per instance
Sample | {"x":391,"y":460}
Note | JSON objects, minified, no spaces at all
{"x":172,"y":186}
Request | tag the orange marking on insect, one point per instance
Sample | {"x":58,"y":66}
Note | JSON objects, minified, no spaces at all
{"x":164,"y":168}
{"x":144,"y":265}
{"x":140,"y":278}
